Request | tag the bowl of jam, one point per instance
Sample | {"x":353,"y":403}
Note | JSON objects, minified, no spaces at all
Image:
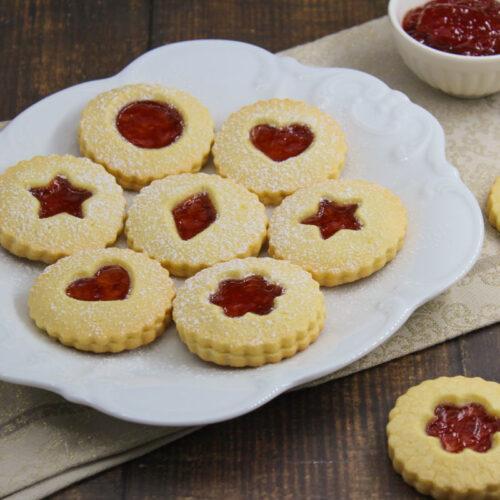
{"x":453,"y":45}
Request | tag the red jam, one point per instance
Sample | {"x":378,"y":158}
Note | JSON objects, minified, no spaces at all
{"x":194,"y":215}
{"x":331,"y":217}
{"x":150,"y":124}
{"x":279,"y":144}
{"x":60,"y":196}
{"x":460,"y":427}
{"x":251,"y":294}
{"x":466,"y":27}
{"x":108,"y":283}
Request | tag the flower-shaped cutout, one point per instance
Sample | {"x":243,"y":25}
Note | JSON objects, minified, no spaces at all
{"x":251,"y":294}
{"x":460,"y":427}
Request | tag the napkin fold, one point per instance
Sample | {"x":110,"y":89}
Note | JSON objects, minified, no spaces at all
{"x":47,"y":443}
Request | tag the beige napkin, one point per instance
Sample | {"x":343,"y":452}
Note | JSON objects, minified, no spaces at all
{"x":47,"y":443}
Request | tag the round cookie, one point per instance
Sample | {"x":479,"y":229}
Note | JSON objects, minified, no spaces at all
{"x":53,"y":206}
{"x":192,"y":221}
{"x":106,"y":300}
{"x":277,"y":146}
{"x":444,"y":437}
{"x":493,"y":205}
{"x":145,"y":132}
{"x":249,"y":312}
{"x":339,"y":231}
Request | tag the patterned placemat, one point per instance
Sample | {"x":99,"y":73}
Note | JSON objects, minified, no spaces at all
{"x":47,"y":443}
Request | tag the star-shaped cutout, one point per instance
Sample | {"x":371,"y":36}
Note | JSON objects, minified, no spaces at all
{"x":331,"y":217}
{"x":60,"y":196}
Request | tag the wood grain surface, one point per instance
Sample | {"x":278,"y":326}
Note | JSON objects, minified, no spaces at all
{"x":325,"y":442}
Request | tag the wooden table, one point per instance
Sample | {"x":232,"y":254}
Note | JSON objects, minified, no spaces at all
{"x":326,"y":442}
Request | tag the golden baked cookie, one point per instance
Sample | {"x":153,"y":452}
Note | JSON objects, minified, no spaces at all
{"x":105,"y":300}
{"x":493,"y":205}
{"x":249,"y":312}
{"x":444,"y":438}
{"x":145,"y":132}
{"x":339,"y":231}
{"x":52,"y":206}
{"x":277,"y":146}
{"x":192,"y":221}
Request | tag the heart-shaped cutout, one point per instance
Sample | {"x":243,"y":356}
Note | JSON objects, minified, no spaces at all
{"x":279,"y":144}
{"x":108,"y":283}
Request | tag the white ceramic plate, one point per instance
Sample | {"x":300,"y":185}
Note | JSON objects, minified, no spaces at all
{"x":391,"y":141}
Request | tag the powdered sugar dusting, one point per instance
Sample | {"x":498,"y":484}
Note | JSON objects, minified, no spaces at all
{"x":239,"y":229}
{"x":235,"y":156}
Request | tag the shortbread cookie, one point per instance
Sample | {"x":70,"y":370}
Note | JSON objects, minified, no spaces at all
{"x":145,"y":132}
{"x":52,"y":206}
{"x":277,"y":146}
{"x":339,"y":231}
{"x":444,"y":438}
{"x":248,"y":312}
{"x":105,"y":300}
{"x":192,"y":221}
{"x":493,"y":205}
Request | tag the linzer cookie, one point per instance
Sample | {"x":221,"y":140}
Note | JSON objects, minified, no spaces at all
{"x":105,"y":300}
{"x":248,"y":312}
{"x":52,"y":206}
{"x":444,"y":437}
{"x":192,"y":221}
{"x":493,"y":205}
{"x":339,"y":231}
{"x":277,"y":146}
{"x":145,"y":132}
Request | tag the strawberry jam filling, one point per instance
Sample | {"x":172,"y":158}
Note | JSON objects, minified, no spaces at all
{"x":279,"y":144}
{"x":252,"y":294}
{"x":460,"y":427}
{"x":60,"y":196}
{"x":108,"y":283}
{"x":194,"y":215}
{"x":150,"y":124}
{"x":466,"y":27}
{"x":331,"y":217}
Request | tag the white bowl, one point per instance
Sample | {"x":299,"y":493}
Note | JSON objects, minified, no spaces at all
{"x":463,"y":76}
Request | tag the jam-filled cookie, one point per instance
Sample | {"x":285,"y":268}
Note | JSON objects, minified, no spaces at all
{"x":192,"y":221}
{"x":339,"y":231}
{"x":53,"y":206}
{"x":145,"y":132}
{"x":493,"y":205}
{"x":277,"y":146}
{"x":105,"y":300}
{"x":248,"y":312}
{"x":444,"y":437}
